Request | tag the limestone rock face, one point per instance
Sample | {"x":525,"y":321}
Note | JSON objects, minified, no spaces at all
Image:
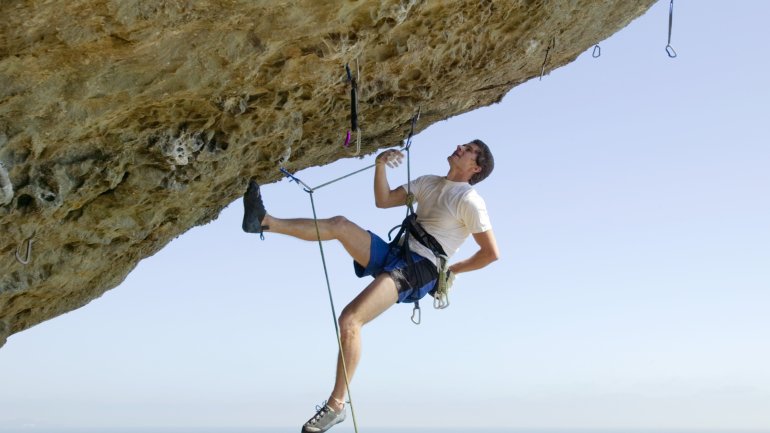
{"x":123,"y":123}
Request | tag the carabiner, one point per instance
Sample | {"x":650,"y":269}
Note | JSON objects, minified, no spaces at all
{"x":26,"y":260}
{"x":416,"y":312}
{"x":597,"y":51}
{"x":440,"y":300}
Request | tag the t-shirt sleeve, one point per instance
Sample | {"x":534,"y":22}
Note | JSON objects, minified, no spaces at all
{"x":473,"y":212}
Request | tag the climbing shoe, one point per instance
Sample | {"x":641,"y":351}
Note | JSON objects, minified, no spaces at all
{"x":324,"y":419}
{"x":253,"y":210}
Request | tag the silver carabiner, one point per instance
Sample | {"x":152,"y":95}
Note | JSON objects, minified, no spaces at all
{"x":416,"y":312}
{"x":29,"y":252}
{"x":597,"y":51}
{"x":440,"y":301}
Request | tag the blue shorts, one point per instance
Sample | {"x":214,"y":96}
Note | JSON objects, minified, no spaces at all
{"x":413,"y":282}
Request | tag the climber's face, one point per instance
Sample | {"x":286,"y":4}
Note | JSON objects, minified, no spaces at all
{"x":464,"y":158}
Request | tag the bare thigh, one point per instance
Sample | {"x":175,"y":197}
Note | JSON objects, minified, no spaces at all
{"x":356,"y":241}
{"x":377,"y":297}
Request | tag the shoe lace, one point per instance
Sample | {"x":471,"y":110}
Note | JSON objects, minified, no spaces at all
{"x":321,"y":410}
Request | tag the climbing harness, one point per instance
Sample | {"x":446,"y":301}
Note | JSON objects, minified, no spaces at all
{"x":410,"y":228}
{"x":669,"y":49}
{"x":26,"y":260}
{"x":354,"y":127}
{"x":547,"y":51}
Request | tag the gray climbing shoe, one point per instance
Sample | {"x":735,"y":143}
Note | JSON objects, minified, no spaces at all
{"x":253,"y":210}
{"x":323,"y":420}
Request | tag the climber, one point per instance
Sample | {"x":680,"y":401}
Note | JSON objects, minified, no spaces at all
{"x":449,"y":209}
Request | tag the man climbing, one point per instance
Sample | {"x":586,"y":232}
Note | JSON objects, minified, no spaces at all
{"x":449,"y":209}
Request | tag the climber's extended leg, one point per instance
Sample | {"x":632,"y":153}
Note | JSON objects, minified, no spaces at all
{"x":356,"y":240}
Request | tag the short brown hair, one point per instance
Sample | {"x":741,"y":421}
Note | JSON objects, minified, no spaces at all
{"x":485,"y":160}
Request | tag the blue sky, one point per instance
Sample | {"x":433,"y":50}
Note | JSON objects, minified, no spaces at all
{"x":631,"y":205}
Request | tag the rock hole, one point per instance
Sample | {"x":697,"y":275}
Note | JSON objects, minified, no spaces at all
{"x":24,"y":201}
{"x":23,"y":314}
{"x":73,"y":215}
{"x":283,"y":97}
{"x":120,"y":240}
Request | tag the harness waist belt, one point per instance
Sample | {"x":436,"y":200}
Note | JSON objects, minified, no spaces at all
{"x":426,"y":239}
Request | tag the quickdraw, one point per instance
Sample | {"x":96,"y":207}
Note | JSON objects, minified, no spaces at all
{"x":547,"y":51}
{"x":669,"y":49}
{"x":354,"y":127}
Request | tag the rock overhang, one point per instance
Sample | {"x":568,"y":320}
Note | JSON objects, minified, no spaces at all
{"x":124,"y":124}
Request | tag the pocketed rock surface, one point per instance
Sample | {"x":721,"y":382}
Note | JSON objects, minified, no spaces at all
{"x":123,"y":123}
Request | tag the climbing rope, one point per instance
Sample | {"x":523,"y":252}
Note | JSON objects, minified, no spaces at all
{"x":361,"y":170}
{"x":310,"y":190}
{"x":416,"y":312}
{"x":441,"y":295}
{"x":408,"y":147}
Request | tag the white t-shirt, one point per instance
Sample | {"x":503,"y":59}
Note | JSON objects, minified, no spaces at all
{"x":450,"y":211}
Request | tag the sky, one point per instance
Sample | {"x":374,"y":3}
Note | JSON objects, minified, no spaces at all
{"x":631,"y":206}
